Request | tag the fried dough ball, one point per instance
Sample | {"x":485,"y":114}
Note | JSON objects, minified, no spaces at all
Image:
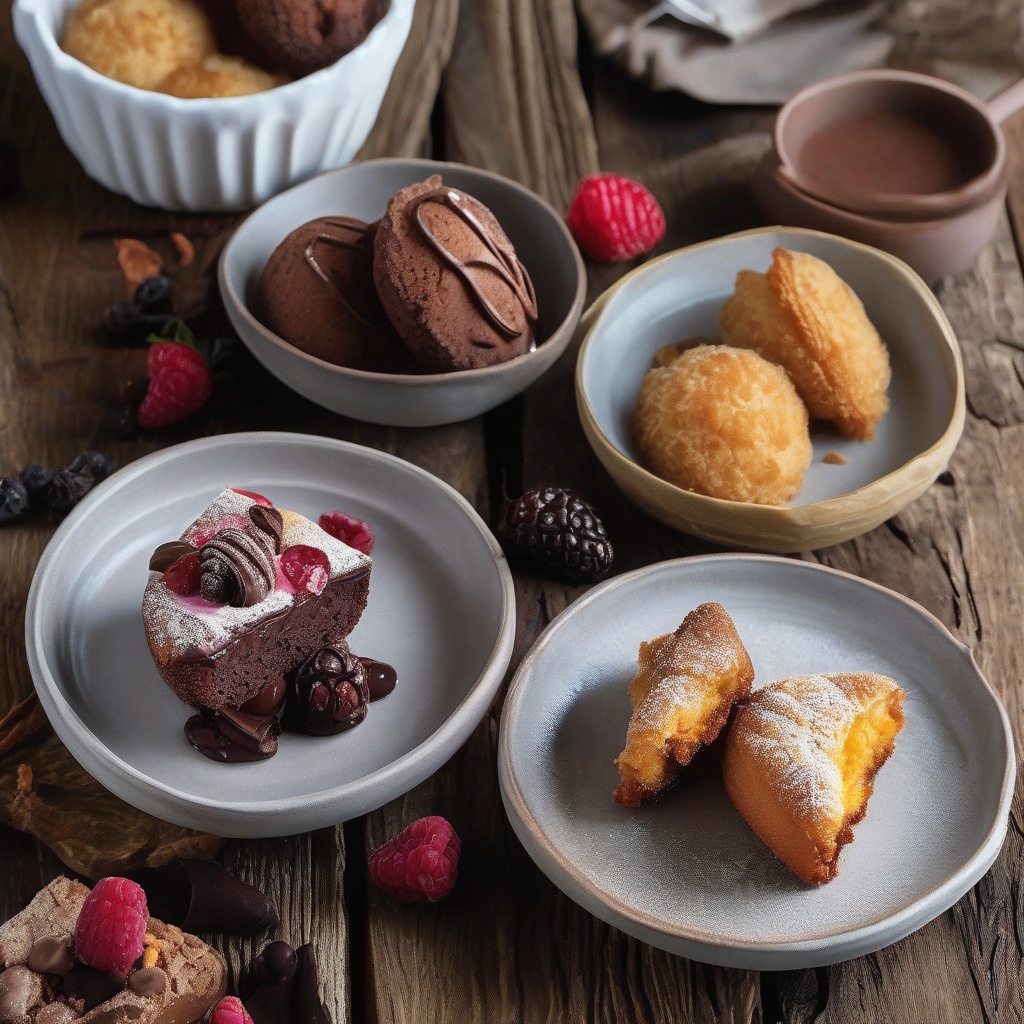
{"x":723,"y":422}
{"x":803,"y":316}
{"x":219,"y":76}
{"x":138,"y":42}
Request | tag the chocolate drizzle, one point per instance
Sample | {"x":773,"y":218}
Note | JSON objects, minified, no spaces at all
{"x":238,"y":569}
{"x":351,"y":238}
{"x":269,"y":522}
{"x":508,"y":268}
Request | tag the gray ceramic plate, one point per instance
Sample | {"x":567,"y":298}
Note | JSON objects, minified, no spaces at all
{"x":441,"y":610}
{"x":686,"y":873}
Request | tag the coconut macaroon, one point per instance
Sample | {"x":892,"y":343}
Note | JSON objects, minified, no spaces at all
{"x":138,"y":42}
{"x":803,"y":316}
{"x":723,"y":422}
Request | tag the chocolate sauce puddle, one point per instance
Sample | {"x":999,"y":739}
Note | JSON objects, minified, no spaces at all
{"x":511,"y":271}
{"x":232,"y":736}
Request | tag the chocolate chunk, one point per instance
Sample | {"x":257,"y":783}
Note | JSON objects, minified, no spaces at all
{"x":232,"y":736}
{"x":89,"y":986}
{"x":306,"y":1005}
{"x":201,"y":896}
{"x":50,"y":955}
{"x":149,"y":981}
{"x":269,"y":525}
{"x":269,"y":1002}
{"x":269,"y":700}
{"x":328,"y":693}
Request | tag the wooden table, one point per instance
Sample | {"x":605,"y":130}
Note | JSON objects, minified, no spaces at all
{"x":508,"y":946}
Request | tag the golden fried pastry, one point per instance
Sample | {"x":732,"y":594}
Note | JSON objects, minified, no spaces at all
{"x":723,"y":422}
{"x":800,"y":761}
{"x":138,"y":42}
{"x":218,"y":76}
{"x":803,"y":316}
{"x":685,"y":686}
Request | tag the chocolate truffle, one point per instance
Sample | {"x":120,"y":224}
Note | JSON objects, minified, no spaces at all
{"x":317,"y":293}
{"x":450,"y":280}
{"x":300,"y":36}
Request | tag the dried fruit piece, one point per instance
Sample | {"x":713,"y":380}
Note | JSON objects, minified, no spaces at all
{"x":14,"y":499}
{"x":185,"y":249}
{"x":349,"y":530}
{"x":553,"y":529}
{"x":306,"y":568}
{"x":614,"y":218}
{"x":328,"y":693}
{"x":137,"y":262}
{"x":420,"y":863}
{"x":36,"y":479}
{"x":111,"y":928}
{"x":91,"y":463}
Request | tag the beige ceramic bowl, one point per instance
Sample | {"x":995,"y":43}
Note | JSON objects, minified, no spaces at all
{"x":538,"y":233}
{"x":680,"y":295}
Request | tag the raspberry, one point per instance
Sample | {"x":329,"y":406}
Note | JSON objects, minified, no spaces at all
{"x":421,"y":862}
{"x":555,"y":530}
{"x":258,"y":498}
{"x":349,"y":530}
{"x":179,"y":384}
{"x":230,"y":1011}
{"x":182,"y":577}
{"x":306,"y":568}
{"x":614,"y":218}
{"x":111,"y":928}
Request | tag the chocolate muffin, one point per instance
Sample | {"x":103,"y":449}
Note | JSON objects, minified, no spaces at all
{"x":317,"y":293}
{"x":450,"y":281}
{"x":300,"y":36}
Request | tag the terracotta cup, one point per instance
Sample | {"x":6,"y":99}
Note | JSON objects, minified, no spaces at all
{"x":883,"y":121}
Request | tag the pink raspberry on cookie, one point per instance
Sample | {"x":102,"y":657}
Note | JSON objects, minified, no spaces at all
{"x":111,"y":928}
{"x":614,"y":218}
{"x":420,"y":863}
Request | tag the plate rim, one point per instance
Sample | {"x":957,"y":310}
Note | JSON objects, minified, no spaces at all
{"x":700,"y":944}
{"x":157,"y":796}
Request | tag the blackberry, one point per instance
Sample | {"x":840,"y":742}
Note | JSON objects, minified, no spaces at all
{"x":154,"y":295}
{"x":36,"y":479}
{"x":13,"y":499}
{"x":555,"y":530}
{"x":91,"y":463}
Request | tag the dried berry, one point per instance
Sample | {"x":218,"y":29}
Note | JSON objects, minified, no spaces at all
{"x":36,"y":479}
{"x":66,"y":490}
{"x":328,"y":693}
{"x":14,"y":502}
{"x":91,"y":463}
{"x":555,"y":530}
{"x":154,"y":295}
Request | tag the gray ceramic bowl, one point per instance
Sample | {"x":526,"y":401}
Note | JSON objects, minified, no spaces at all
{"x":542,"y":242}
{"x":679,"y":296}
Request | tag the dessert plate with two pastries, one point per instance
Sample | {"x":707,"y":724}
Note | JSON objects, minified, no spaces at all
{"x":756,"y":762}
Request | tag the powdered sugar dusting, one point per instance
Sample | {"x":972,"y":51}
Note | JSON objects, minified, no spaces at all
{"x":795,"y":729}
{"x":177,"y":626}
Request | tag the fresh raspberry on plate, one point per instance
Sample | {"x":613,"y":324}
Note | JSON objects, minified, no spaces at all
{"x":230,"y":1011}
{"x":111,"y":928}
{"x":349,"y":530}
{"x":420,"y":863}
{"x":614,"y":218}
{"x":180,"y":383}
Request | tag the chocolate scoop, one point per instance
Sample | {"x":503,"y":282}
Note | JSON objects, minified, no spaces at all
{"x":201,"y":896}
{"x":270,"y":1000}
{"x":306,"y":1005}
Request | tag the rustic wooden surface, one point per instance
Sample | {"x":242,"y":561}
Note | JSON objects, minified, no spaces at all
{"x":507,"y":945}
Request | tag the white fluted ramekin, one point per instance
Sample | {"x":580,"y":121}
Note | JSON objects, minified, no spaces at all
{"x":209,"y":154}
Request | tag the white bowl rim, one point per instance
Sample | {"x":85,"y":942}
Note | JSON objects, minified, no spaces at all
{"x":67,"y":64}
{"x":946,"y":442}
{"x":416,"y":380}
